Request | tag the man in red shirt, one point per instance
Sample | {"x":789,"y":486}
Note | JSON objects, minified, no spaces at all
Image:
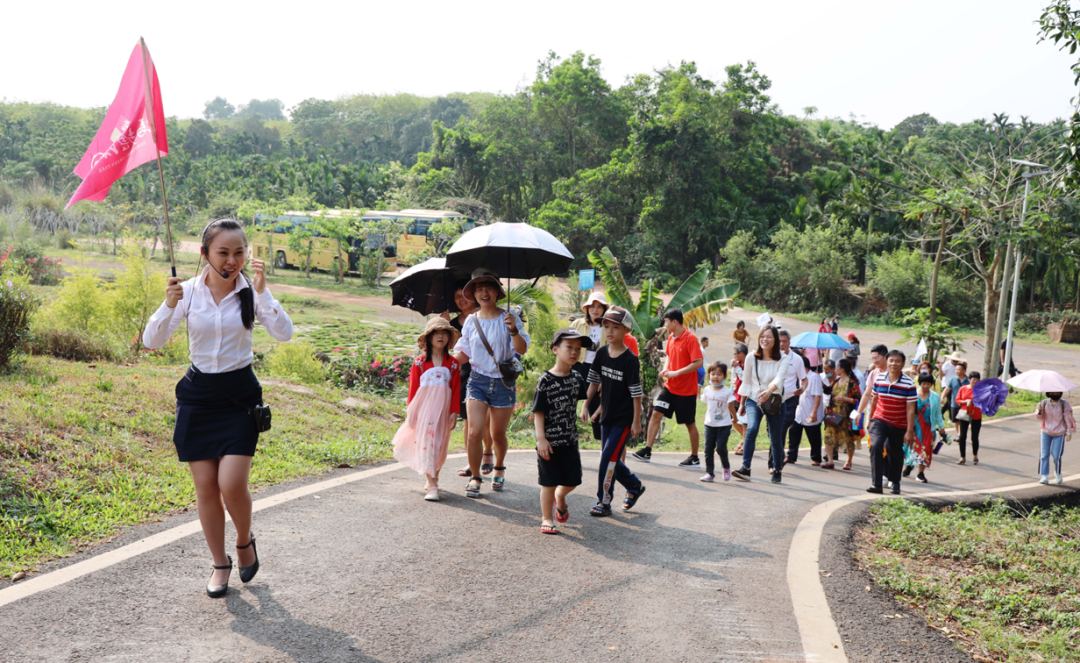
{"x":892,"y":424}
{"x":680,"y":393}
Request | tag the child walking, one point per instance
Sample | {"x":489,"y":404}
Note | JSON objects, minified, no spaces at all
{"x":1058,"y":425}
{"x":720,"y":411}
{"x":433,"y":406}
{"x":554,"y":407}
{"x":616,"y":374}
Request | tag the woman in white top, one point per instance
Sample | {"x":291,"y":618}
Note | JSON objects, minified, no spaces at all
{"x":216,"y":430}
{"x":763,"y":376}
{"x":594,"y":308}
{"x":488,"y":392}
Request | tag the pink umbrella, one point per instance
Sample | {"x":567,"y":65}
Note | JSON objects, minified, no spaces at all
{"x":1042,"y":381}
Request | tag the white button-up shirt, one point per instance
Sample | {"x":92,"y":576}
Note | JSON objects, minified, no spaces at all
{"x":219,"y":342}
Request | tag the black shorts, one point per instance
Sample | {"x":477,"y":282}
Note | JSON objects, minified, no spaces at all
{"x":684,"y":408}
{"x":953,"y":411}
{"x":562,"y":469}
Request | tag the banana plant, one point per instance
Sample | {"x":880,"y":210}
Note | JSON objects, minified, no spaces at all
{"x":701,"y":302}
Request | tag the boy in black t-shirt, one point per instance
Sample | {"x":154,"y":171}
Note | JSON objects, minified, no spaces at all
{"x":554,"y":409}
{"x":616,"y":373}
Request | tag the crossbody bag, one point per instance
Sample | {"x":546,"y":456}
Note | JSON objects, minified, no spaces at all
{"x":260,"y":413}
{"x":510,"y":370}
{"x":771,"y":406}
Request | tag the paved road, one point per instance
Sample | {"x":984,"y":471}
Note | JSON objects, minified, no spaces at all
{"x":367,"y":571}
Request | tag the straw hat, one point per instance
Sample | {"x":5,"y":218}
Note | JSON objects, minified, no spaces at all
{"x":437,"y":324}
{"x":595,"y":298}
{"x":955,"y":356}
{"x":479,"y":276}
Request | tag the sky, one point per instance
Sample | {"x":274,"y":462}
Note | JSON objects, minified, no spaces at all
{"x":880,"y":61}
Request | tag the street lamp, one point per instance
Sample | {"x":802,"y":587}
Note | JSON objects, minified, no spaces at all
{"x":1016,"y":268}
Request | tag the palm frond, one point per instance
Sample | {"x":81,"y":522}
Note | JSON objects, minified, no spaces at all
{"x":707,"y":306}
{"x":689,"y":289}
{"x":607,"y":268}
{"x":531,"y":298}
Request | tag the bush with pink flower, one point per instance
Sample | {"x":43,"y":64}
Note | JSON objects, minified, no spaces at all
{"x":369,"y":370}
{"x":30,"y":259}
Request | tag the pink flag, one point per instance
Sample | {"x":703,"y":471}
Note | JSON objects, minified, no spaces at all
{"x":130,"y":136}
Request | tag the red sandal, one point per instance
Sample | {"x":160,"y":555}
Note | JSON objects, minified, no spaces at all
{"x":548,"y":529}
{"x":561,"y":516}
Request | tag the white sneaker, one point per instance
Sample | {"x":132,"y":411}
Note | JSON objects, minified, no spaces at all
{"x":1044,"y":480}
{"x":432,"y":494}
{"x":708,"y":478}
{"x":1059,"y":479}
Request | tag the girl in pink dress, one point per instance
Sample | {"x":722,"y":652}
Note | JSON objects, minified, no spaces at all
{"x":434,"y":405}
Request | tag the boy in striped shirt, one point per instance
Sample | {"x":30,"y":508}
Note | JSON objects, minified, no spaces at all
{"x":893,"y":421}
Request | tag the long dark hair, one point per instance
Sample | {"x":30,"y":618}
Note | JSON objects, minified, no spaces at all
{"x":246,"y":295}
{"x":775,"y":353}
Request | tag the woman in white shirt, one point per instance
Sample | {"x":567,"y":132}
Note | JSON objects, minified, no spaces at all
{"x":488,"y":392}
{"x":763,"y":376}
{"x":216,"y":430}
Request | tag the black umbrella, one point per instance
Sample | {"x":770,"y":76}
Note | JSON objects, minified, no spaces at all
{"x":427,"y":288}
{"x":511,"y":250}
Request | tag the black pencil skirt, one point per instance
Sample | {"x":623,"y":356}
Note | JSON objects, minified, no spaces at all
{"x":209,"y":424}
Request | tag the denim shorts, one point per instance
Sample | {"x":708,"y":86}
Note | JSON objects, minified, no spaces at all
{"x":491,"y":391}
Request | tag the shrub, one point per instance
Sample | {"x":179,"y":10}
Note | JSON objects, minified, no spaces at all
{"x":73,"y":345}
{"x":367,"y":264}
{"x":296,"y":360}
{"x":81,"y":304}
{"x":1032,"y":323}
{"x":29,"y":256}
{"x":17,"y":302}
{"x":542,"y":328}
{"x":902,"y":279}
{"x":372,"y":371}
{"x":65,"y":240}
{"x":135,"y":295}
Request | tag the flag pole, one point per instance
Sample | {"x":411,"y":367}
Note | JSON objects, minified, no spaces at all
{"x":157,"y":152}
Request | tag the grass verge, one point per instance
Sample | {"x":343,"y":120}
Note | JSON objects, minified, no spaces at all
{"x":86,"y":450}
{"x":1003,"y":585}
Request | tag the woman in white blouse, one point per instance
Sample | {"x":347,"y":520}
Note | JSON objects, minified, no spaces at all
{"x":216,"y":431}
{"x":763,"y":376}
{"x":488,"y":392}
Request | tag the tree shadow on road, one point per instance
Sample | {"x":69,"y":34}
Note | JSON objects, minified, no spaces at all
{"x":272,"y":625}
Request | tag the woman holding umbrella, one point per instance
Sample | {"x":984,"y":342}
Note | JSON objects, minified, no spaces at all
{"x":1055,"y":416}
{"x":489,"y":337}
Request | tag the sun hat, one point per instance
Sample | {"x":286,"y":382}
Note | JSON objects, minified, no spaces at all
{"x":437,"y":324}
{"x":595,"y":298}
{"x":955,"y":356}
{"x":620,"y":316}
{"x":479,"y":276}
{"x":569,"y":334}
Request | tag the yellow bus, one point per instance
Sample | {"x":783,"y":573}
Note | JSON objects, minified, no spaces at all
{"x":274,"y":244}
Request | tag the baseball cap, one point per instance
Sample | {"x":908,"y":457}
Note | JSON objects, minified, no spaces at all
{"x":620,"y":316}
{"x":568,"y":333}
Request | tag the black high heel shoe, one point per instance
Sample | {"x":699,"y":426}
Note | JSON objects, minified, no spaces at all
{"x":217,"y":591}
{"x":248,"y":572}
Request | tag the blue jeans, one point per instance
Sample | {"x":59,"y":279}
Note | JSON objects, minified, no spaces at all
{"x":612,"y":468}
{"x":1050,"y":446}
{"x":754,"y":417}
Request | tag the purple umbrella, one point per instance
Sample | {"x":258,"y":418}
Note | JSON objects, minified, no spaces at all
{"x":989,"y":395}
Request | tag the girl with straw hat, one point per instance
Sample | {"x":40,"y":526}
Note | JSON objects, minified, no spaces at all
{"x":434,"y":405}
{"x":594,"y":308}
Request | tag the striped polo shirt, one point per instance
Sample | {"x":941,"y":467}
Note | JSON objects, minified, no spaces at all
{"x":893,"y":397}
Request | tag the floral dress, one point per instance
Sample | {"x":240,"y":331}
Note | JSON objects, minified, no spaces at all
{"x":423,"y":440}
{"x":842,"y":436}
{"x":928,"y":420}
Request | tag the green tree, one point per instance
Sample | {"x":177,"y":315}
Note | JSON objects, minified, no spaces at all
{"x":218,"y":109}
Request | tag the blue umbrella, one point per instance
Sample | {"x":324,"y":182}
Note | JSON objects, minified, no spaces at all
{"x":989,"y":395}
{"x":820,"y":341}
